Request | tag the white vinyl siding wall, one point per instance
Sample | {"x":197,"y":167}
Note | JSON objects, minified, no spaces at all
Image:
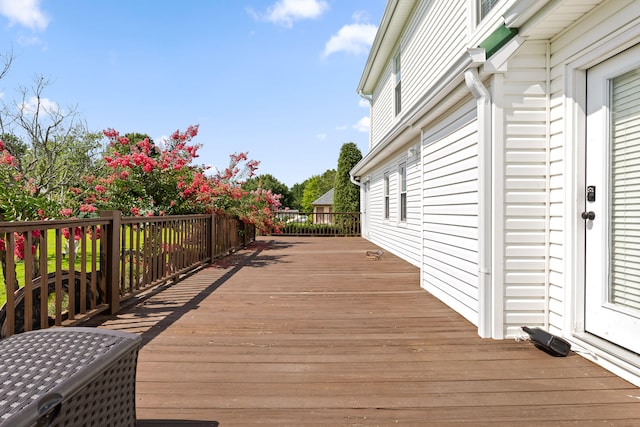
{"x":438,"y":38}
{"x":401,"y":238}
{"x":434,"y":38}
{"x":382,"y":117}
{"x":450,"y":213}
{"x":526,"y":180}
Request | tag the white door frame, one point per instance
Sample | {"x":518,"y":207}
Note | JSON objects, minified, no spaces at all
{"x":613,"y":358}
{"x":602,"y":318}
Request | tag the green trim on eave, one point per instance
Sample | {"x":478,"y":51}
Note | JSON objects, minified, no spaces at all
{"x":497,"y":39}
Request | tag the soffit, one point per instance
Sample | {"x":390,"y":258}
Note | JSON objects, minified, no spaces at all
{"x":554,"y":18}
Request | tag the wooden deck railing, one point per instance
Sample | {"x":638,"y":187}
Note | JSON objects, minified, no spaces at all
{"x":65,"y":271}
{"x":319,"y":224}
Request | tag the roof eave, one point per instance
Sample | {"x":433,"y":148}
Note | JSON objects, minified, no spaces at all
{"x":393,"y":21}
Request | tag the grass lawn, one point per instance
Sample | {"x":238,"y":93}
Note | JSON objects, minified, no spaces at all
{"x":51,"y":257}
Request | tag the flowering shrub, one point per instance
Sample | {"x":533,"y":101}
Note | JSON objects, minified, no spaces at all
{"x":258,"y":208}
{"x":146,"y":179}
{"x":20,"y":199}
{"x":142,"y":178}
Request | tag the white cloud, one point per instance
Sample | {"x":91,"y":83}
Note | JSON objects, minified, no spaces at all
{"x":24,"y":12}
{"x":321,"y":136}
{"x":363,"y":124}
{"x":364,"y":103}
{"x":29,"y":41}
{"x":341,"y":128}
{"x":286,"y":12}
{"x":161,"y":141}
{"x":46,"y":106}
{"x":352,"y":38}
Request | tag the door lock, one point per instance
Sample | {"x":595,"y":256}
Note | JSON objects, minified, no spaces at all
{"x":591,"y":215}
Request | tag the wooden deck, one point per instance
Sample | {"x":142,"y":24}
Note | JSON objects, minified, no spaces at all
{"x":308,"y":331}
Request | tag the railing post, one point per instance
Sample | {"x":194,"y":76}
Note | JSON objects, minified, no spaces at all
{"x":212,"y":238}
{"x":110,"y":264}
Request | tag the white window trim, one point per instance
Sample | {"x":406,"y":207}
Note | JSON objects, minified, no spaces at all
{"x":402,"y":182}
{"x":397,"y":83}
{"x":386,"y":190}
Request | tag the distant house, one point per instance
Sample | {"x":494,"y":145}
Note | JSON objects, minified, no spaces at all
{"x":503,"y":163}
{"x":323,"y":208}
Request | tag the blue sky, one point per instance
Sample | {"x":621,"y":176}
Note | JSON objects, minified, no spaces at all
{"x":276,"y":78}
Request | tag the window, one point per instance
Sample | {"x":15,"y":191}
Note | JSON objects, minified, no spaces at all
{"x":386,"y":196}
{"x":484,"y":7}
{"x":403,"y":192}
{"x":398,"y":86}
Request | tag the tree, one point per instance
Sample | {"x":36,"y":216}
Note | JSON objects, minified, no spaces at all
{"x":269,"y":182}
{"x":297,"y":192}
{"x":19,"y":198}
{"x":315,"y":187}
{"x":149,"y":179}
{"x":52,"y":146}
{"x":346,"y":196}
{"x":6,"y":60}
{"x":311,"y":193}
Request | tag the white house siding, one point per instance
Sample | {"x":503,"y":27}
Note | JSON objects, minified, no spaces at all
{"x":382,"y":117}
{"x":399,"y":237}
{"x":434,"y":38}
{"x":526,"y":182}
{"x":450,"y":212}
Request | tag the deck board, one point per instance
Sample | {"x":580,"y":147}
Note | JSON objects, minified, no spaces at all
{"x":307,"y":331}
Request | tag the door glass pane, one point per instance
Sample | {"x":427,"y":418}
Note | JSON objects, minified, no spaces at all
{"x":624,"y":227}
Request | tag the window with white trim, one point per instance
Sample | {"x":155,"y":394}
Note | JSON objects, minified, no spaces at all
{"x":386,"y":196}
{"x":403,"y":192}
{"x":484,"y":7}
{"x":398,"y":84}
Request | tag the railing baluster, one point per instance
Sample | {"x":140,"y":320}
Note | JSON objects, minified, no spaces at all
{"x":83,"y":272}
{"x":44,"y":273}
{"x":71,"y":281}
{"x":28,"y":280}
{"x":58,"y":278}
{"x":11,"y":284}
{"x":97,"y":230}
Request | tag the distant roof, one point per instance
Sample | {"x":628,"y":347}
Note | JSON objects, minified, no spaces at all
{"x":325,"y":199}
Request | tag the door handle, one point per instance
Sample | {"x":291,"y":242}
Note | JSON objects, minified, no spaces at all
{"x":588,"y":215}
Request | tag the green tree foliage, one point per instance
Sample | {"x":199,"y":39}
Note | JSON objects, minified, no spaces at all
{"x":347,"y":194}
{"x":297,"y":192}
{"x":315,"y":187}
{"x":311,"y":193}
{"x":327,"y":180}
{"x":320,"y":184}
{"x":269,"y":182}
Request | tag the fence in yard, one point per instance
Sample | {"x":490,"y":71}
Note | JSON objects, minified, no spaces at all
{"x":62,"y":272}
{"x":295,"y":223}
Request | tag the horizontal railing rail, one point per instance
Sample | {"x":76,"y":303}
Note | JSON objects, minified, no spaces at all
{"x":318,"y":223}
{"x":60,"y":273}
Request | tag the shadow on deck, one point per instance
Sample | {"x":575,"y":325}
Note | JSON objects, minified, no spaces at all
{"x":309,"y":331}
